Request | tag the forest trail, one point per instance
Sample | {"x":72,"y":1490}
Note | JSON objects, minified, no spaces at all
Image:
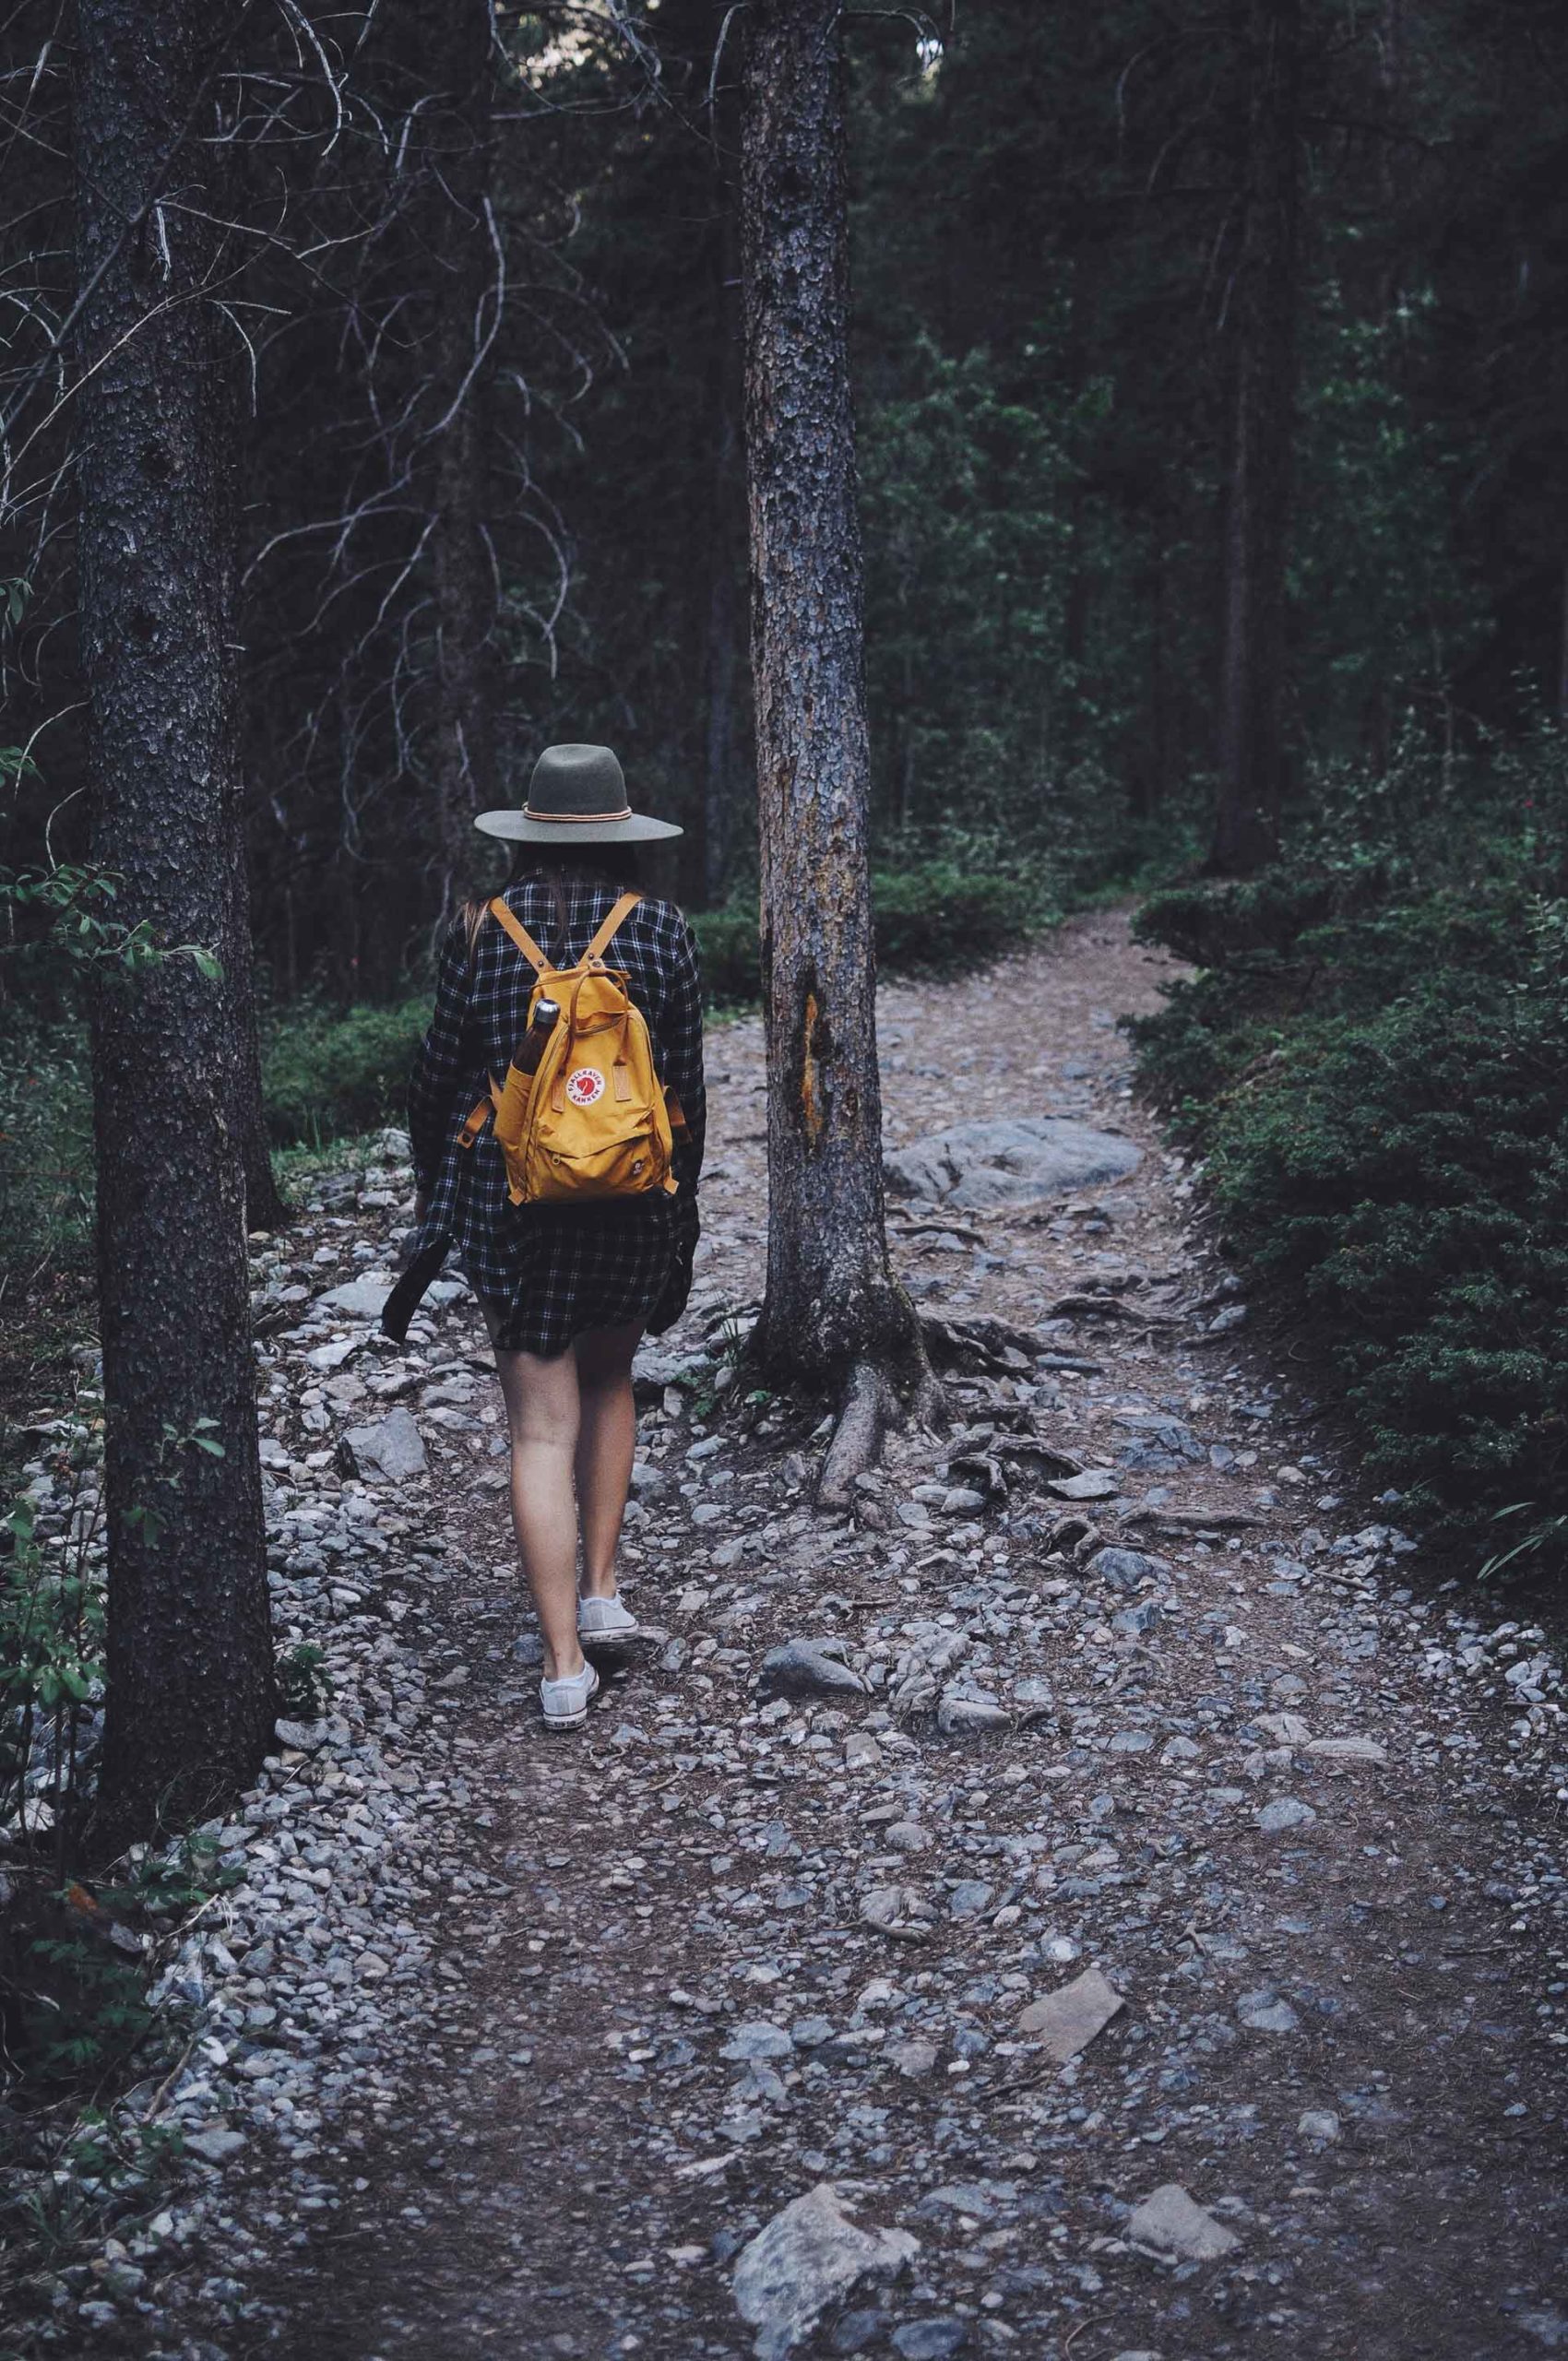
{"x":1252,"y":1777}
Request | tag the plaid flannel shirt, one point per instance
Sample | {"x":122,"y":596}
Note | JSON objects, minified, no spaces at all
{"x":560,"y":1269}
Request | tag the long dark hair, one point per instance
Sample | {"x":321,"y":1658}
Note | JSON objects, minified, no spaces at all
{"x":615,"y":866}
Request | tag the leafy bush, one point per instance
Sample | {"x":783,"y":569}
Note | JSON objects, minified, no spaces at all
{"x":326,"y":1071}
{"x":46,"y":1177}
{"x":728,"y":945}
{"x":942,"y":916}
{"x":304,"y":1685}
{"x":1374,"y":1061}
{"x":935,"y":915}
{"x":50,"y":1664}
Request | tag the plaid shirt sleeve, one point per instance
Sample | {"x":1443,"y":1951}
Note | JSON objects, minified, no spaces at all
{"x":446,"y":1058}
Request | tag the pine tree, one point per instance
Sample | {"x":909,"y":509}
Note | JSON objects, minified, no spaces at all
{"x":833,"y":1313}
{"x":190,"y":1696}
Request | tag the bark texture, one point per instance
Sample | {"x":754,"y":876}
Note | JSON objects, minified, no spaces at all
{"x":1261,"y":307}
{"x":833,"y":1314}
{"x":190,"y":1698}
{"x":724,"y":651}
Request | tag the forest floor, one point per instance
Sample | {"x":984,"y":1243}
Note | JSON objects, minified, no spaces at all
{"x":637,"y":1990}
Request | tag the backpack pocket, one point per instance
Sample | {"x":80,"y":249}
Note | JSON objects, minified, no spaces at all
{"x":623,"y":1167}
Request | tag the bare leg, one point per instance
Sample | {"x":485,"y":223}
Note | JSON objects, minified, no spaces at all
{"x":607,"y":1439}
{"x":543,"y":1411}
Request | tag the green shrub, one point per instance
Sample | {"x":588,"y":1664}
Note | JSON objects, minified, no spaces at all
{"x":941,"y":916}
{"x":51,"y":1610}
{"x":46,"y":1173}
{"x":328,"y":1072}
{"x":728,"y":946}
{"x":304,"y":1682}
{"x":935,"y":915}
{"x":1373,"y":1059}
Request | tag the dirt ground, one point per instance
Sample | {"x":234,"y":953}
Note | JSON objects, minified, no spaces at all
{"x":1341,"y":1965}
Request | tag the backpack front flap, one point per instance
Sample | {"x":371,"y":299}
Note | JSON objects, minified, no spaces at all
{"x":597,"y":1123}
{"x":592,"y":1120}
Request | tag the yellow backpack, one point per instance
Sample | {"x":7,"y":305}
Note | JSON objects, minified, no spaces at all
{"x":594,"y":1121}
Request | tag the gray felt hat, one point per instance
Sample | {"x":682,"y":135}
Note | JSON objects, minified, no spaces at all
{"x":576,"y":796}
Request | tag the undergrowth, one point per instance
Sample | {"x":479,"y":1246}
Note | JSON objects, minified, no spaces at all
{"x":1372,"y":1058}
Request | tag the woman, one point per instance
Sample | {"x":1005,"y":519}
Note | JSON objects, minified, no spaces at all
{"x":567,"y":1291}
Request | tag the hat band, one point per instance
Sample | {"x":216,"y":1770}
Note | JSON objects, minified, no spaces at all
{"x":576,"y":819}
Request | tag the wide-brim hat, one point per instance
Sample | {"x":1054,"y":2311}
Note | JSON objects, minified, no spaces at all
{"x":576,"y":796}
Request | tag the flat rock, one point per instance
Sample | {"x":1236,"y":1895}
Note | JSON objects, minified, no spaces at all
{"x":929,"y":2340}
{"x":760,"y":2039}
{"x":1124,"y":1569}
{"x":1319,"y":2123}
{"x":215,"y":2147}
{"x":896,"y":1910}
{"x":1067,"y":2020}
{"x":391,"y":1451}
{"x":655,"y":1367}
{"x":333,"y":1355}
{"x":1093,"y":1484}
{"x":973,"y":1165}
{"x":1285,"y":1729}
{"x":360,"y":1299}
{"x":959,"y":1716}
{"x":1266,"y":2012}
{"x":807,"y":1668}
{"x":1172,"y":2223}
{"x":1345,"y":1749}
{"x":1286,"y":1811}
{"x":304,"y":1737}
{"x":809,"y":2256}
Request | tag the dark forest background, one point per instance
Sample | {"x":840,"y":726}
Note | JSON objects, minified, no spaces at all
{"x":494,"y":490}
{"x":1211,"y":366}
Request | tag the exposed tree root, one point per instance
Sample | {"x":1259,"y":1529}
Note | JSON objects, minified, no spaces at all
{"x":870,"y":1404}
{"x":873,"y":1404}
{"x":979,"y":1345}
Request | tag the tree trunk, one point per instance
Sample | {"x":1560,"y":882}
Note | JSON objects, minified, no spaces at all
{"x":461,"y":257}
{"x":833,"y":1315}
{"x":724,"y":652}
{"x":1257,"y":501}
{"x":190,"y":1697}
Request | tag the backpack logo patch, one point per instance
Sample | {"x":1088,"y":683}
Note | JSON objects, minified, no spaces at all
{"x":585,"y":1087}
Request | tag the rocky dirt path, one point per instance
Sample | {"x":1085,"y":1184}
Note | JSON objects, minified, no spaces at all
{"x":1220,"y":1764}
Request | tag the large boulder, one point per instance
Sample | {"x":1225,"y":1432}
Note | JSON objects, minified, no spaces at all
{"x":974,"y":1166}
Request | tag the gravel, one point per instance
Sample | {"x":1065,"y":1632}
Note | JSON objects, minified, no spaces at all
{"x":1279,"y":1809}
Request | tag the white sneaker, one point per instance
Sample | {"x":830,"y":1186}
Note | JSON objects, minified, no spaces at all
{"x":605,"y":1618}
{"x":566,"y":1702}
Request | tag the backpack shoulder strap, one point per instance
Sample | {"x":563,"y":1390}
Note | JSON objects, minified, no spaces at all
{"x":611,"y":927}
{"x":500,"y":912}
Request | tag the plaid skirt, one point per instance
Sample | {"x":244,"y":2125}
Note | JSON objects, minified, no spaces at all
{"x":551,"y":1271}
